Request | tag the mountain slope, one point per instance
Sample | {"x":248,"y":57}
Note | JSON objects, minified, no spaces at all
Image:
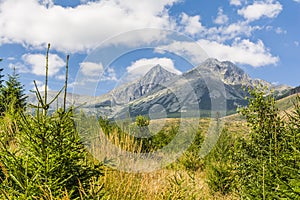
{"x":152,"y":81}
{"x":194,"y":89}
{"x":211,"y":85}
{"x":288,"y":91}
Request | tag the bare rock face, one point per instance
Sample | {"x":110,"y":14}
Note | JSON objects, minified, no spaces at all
{"x":152,"y":81}
{"x":193,"y":89}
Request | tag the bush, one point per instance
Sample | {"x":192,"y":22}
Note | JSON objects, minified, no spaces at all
{"x":42,"y":155}
{"x":191,"y":159}
{"x":289,"y":179}
{"x":220,"y":167}
{"x":267,"y":157}
{"x":48,"y":156}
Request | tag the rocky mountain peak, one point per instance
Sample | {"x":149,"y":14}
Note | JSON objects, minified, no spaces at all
{"x":152,"y":81}
{"x":228,"y":72}
{"x":154,"y":88}
{"x":157,"y":74}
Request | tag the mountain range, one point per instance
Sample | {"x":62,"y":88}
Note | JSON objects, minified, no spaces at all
{"x":211,"y":85}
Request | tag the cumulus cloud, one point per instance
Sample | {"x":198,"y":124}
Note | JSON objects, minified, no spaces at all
{"x":83,"y":27}
{"x":60,"y":77}
{"x":235,"y":2}
{"x":258,"y":10}
{"x":190,"y":51}
{"x":221,"y":18}
{"x":35,"y":23}
{"x":142,"y":66}
{"x":96,"y":72}
{"x":110,"y":75}
{"x":40,"y":86}
{"x":47,"y":3}
{"x":241,"y":51}
{"x":192,"y":24}
{"x":91,"y":69}
{"x":35,"y":64}
{"x":20,"y":67}
{"x":228,"y":31}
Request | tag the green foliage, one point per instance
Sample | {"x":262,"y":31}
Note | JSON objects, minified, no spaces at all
{"x":13,"y":93}
{"x":220,"y":167}
{"x":191,"y":159}
{"x":142,"y":121}
{"x":179,"y":188}
{"x":42,"y":156}
{"x":48,"y":156}
{"x":160,"y":139}
{"x":264,"y":170}
{"x":105,"y":125}
{"x":290,"y":159}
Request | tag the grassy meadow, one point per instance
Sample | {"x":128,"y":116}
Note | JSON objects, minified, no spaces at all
{"x":44,"y":157}
{"x":65,"y":154}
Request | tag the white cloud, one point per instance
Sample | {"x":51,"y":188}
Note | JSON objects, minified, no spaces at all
{"x":279,"y":30}
{"x":82,"y":28}
{"x":221,"y":18}
{"x":36,"y":64}
{"x":192,"y":24}
{"x":235,"y":2}
{"x":40,"y":85}
{"x":110,"y":75}
{"x":236,"y":29}
{"x":61,"y":77}
{"x":191,"y":51}
{"x":142,"y":66}
{"x":20,"y":67}
{"x":11,"y":58}
{"x":229,"y":32}
{"x":241,"y":51}
{"x":91,"y":69}
{"x":261,"y":9}
{"x":47,"y":3}
{"x":298,"y":1}
{"x":95,"y":72}
{"x":269,"y":28}
{"x":30,"y":22}
{"x":296,"y":43}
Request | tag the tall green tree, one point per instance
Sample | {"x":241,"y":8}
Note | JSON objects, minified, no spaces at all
{"x":13,"y":93}
{"x":269,"y":157}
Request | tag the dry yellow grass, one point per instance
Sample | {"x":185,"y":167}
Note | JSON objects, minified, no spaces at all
{"x":161,"y":184}
{"x":165,"y":183}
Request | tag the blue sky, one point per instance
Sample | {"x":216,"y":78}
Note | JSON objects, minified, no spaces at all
{"x":262,"y":37}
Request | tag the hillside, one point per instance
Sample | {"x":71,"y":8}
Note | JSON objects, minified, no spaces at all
{"x":286,"y":105}
{"x":213,"y":85}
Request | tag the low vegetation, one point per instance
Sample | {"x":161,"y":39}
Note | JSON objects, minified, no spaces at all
{"x":44,"y":156}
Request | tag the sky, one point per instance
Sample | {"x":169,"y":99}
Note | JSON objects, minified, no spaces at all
{"x":114,"y":41}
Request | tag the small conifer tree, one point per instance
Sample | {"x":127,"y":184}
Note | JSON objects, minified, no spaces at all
{"x":13,"y":92}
